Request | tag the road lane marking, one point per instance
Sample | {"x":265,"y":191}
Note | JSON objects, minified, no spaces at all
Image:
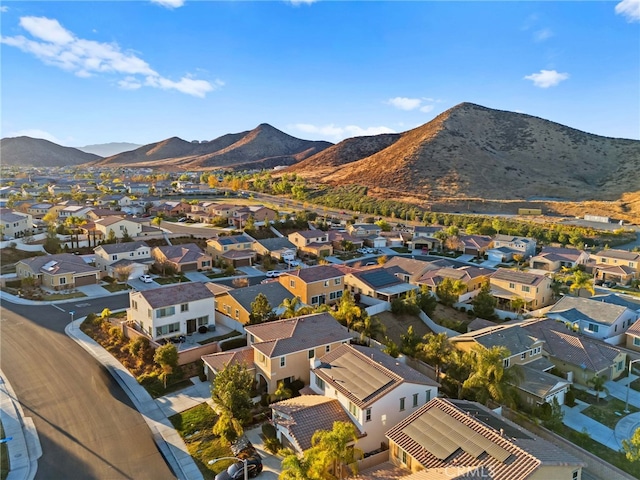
{"x":61,"y":309}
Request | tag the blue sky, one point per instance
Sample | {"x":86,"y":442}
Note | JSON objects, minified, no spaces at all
{"x":79,"y":73}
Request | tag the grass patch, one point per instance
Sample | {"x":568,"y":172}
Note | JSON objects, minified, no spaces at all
{"x":584,"y":396}
{"x":216,"y":275}
{"x":220,"y":337}
{"x":195,"y":427}
{"x":400,"y":249}
{"x":605,"y":412}
{"x":116,"y":287}
{"x":627,"y":291}
{"x":169,"y":280}
{"x":613,"y":457}
{"x":63,"y":296}
{"x":4,"y":457}
{"x":635,"y":384}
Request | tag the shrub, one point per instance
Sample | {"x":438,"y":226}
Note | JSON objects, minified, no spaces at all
{"x":151,"y":383}
{"x":233,"y":343}
{"x":570,"y":398}
{"x":273,"y":445}
{"x":296,"y":386}
{"x":116,"y":333}
{"x":108,"y":279}
{"x":268,"y":430}
{"x":264,"y":400}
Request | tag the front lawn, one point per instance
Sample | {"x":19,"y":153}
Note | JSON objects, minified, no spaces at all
{"x":62,"y":296}
{"x":608,"y":412}
{"x":195,"y":426}
{"x":169,"y":280}
{"x":116,"y":287}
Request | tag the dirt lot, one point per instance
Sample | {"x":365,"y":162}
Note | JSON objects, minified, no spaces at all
{"x":397,"y":325}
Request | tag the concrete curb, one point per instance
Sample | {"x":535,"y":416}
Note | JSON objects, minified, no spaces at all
{"x":166,"y":437}
{"x":24,"y":447}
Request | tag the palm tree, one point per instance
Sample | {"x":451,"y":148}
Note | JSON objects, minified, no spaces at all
{"x":291,"y":306}
{"x":490,"y":378}
{"x":348,"y":312}
{"x":517,"y":304}
{"x":369,"y":328}
{"x":457,"y":371}
{"x":436,"y":350}
{"x":335,"y":448}
{"x":282,"y":391}
{"x":597,"y":382}
{"x":582,"y":280}
{"x":295,"y":467}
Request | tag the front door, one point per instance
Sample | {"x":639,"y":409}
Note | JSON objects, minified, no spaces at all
{"x":191,"y":325}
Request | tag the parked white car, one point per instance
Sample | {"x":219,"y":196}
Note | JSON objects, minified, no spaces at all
{"x":146,"y":278}
{"x":274,"y":273}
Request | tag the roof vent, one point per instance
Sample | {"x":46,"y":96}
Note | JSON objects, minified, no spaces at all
{"x":502,"y":432}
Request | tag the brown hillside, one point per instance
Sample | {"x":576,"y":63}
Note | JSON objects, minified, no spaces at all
{"x":41,"y":153}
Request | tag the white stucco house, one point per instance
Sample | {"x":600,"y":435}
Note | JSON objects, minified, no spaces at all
{"x":137,"y":255}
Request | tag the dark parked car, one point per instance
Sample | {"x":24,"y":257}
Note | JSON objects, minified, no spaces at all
{"x":236,"y":471}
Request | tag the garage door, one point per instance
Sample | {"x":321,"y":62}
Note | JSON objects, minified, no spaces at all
{"x":189,"y":267}
{"x":242,"y":262}
{"x":85,"y":280}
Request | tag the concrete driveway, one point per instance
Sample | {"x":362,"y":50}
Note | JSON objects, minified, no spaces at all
{"x":619,"y":389}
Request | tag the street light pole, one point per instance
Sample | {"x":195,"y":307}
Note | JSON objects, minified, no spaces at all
{"x":626,"y":407}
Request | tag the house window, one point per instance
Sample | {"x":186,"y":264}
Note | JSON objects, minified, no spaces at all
{"x":506,"y":362}
{"x":63,"y":280}
{"x":312,"y":353}
{"x":402,"y":404}
{"x":326,"y":283}
{"x":149,"y":313}
{"x":252,"y":339}
{"x":184,"y":307}
{"x":292,"y":283}
{"x":403,"y":457}
{"x":227,"y":309}
{"x":202,"y":321}
{"x":525,"y":289}
{"x":428,"y":396}
{"x":134,"y":304}
{"x":131,"y":254}
{"x":283,"y":361}
{"x":592,"y":328}
{"x":167,"y":329}
{"x":261,"y":358}
{"x":339,"y":294}
{"x":415,"y":400}
{"x":636,"y":341}
{"x":237,"y":313}
{"x":512,"y":286}
{"x":620,"y":365}
{"x":315,"y":300}
{"x":327,"y":349}
{"x":319,"y":383}
{"x":575,"y":475}
{"x":165,"y":312}
{"x":337,"y":281}
{"x":367,"y":415}
{"x":114,"y":257}
{"x":523,"y":356}
{"x":353,"y":410}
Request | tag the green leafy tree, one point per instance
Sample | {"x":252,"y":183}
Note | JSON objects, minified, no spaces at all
{"x":631,"y":447}
{"x":490,"y":378}
{"x":484,"y":304}
{"x":449,"y":290}
{"x":391,"y":348}
{"x":167,"y":357}
{"x":409,"y":342}
{"x":296,"y":467}
{"x":436,"y":350}
{"x":106,"y":313}
{"x":292,"y":307}
{"x":458,"y":371}
{"x":52,"y":242}
{"x":281,"y":392}
{"x":333,"y":449}
{"x":369,"y":328}
{"x":348,"y":312}
{"x":598,"y":384}
{"x":581,"y":280}
{"x":231,"y":393}
{"x":261,"y":309}
{"x":111,"y":236}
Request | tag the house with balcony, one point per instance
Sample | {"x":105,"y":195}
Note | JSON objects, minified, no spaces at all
{"x":377,"y":283}
{"x":456,"y":439}
{"x":553,"y":259}
{"x":376,"y":390}
{"x":170,"y":311}
{"x":58,"y":272}
{"x":133,"y":255}
{"x":312,"y":242}
{"x":14,"y":224}
{"x":236,"y":250}
{"x":186,"y":257}
{"x":596,"y":319}
{"x":505,"y":247}
{"x":315,"y":285}
{"x":534,"y":289}
{"x":620,"y":266}
{"x":537,"y":385}
{"x":578,"y":357}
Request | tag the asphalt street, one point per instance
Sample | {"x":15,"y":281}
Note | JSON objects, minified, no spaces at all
{"x":88,"y":427}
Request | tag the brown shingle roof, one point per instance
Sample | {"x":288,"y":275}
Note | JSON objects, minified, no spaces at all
{"x":218,"y":361}
{"x":176,"y":294}
{"x":619,"y":255}
{"x":58,"y":264}
{"x":185,"y":253}
{"x":316,"y":274}
{"x":518,"y":277}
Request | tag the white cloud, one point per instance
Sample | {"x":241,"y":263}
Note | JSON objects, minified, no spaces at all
{"x":169,"y":3}
{"x":56,"y":46}
{"x":337,"y":133}
{"x":426,"y":108}
{"x":4,"y":9}
{"x":302,"y":2}
{"x":35,"y":133}
{"x":404,"y":103}
{"x":547,"y":78}
{"x":542,"y":35}
{"x":629,"y":9}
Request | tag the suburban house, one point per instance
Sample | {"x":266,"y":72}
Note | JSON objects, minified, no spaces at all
{"x":577,"y":356}
{"x":534,"y":289}
{"x":537,"y":386}
{"x":475,"y":245}
{"x":14,"y":224}
{"x":504,"y":247}
{"x":236,"y":250}
{"x":363,"y":229}
{"x":222,"y":210}
{"x":119,"y":226}
{"x":57,"y":272}
{"x":339,"y":240}
{"x":170,"y":209}
{"x":137,"y":255}
{"x":279,"y":248}
{"x":410,"y":270}
{"x":377,"y":283}
{"x":259,"y":213}
{"x":233,"y":308}
{"x":552,"y":259}
{"x":424,"y":238}
{"x":115,"y":200}
{"x":315,"y":285}
{"x":596,"y":319}
{"x":472,"y":277}
{"x":186,"y":257}
{"x":39,"y":210}
{"x":178,"y":309}
{"x":617,"y":265}
{"x":456,"y":439}
{"x":78,"y":211}
{"x":376,"y":390}
{"x":312,"y":242}
{"x":297,"y":419}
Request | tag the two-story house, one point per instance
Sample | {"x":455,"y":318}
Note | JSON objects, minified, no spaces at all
{"x":119,"y":226}
{"x":279,"y":248}
{"x":377,"y":283}
{"x":472,"y":277}
{"x":553,"y":259}
{"x":259,"y":213}
{"x":178,"y":309}
{"x":475,"y":245}
{"x":620,"y":266}
{"x":312,"y":242}
{"x":59,"y":271}
{"x":424,"y":238}
{"x":534,"y":289}
{"x":461,"y":439}
{"x":137,"y":255}
{"x":504,"y":247}
{"x":376,"y":390}
{"x":363,"y":229}
{"x":315,"y":285}
{"x":78,"y":211}
{"x":185,"y":257}
{"x":341,"y":240}
{"x":596,"y":319}
{"x":236,"y":250}
{"x":39,"y":210}
{"x":537,"y":385}
{"x":14,"y":224}
{"x":411,"y":270}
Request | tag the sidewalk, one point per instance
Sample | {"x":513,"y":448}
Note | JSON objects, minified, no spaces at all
{"x":168,"y":440}
{"x":22,"y":443}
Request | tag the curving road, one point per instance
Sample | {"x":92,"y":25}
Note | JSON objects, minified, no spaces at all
{"x":87,"y":426}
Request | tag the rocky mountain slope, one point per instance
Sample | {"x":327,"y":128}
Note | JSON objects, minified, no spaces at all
{"x":264,"y":145}
{"x":27,"y":151}
{"x":471,"y":151}
{"x":109,"y":149}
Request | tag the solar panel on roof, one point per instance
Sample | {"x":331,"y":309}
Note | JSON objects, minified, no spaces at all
{"x":497,"y":452}
{"x":379,"y":278}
